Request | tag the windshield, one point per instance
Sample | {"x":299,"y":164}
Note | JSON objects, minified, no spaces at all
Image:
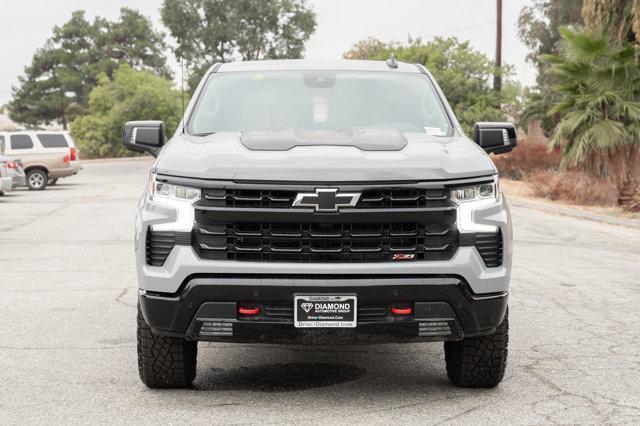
{"x":318,"y":101}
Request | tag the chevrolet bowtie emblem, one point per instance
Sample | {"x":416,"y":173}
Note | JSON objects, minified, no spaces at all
{"x":326,"y":199}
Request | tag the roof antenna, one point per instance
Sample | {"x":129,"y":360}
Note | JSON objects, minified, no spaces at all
{"x":391,"y":62}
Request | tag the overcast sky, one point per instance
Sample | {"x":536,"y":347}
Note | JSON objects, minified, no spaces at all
{"x":26,"y":24}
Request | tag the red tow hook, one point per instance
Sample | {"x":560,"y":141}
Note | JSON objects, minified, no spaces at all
{"x":243,"y":310}
{"x":401,"y":311}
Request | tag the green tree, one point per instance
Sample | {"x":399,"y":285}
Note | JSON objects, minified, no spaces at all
{"x":464,"y":74}
{"x":56,"y":85}
{"x":599,"y":109}
{"x":538,"y":29}
{"x":209,"y":31}
{"x":538,"y":26}
{"x":129,"y":95}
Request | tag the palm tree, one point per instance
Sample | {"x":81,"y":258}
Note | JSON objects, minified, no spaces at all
{"x":599,"y":128}
{"x":619,"y":17}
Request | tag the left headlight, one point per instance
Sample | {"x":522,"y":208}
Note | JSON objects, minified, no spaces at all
{"x":481,"y":191}
{"x":158,"y":189}
{"x":471,"y":198}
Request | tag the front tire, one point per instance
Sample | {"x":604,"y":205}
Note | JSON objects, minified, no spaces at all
{"x":164,"y":362}
{"x":478,"y":362}
{"x":37,"y":179}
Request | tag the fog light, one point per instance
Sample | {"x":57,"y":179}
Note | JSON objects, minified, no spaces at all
{"x":401,"y":311}
{"x":243,"y":310}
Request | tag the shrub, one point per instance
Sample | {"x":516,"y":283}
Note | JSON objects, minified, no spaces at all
{"x":527,"y":158}
{"x":573,"y":187}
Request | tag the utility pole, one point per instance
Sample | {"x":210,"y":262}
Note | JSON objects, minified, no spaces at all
{"x":497,"y":78}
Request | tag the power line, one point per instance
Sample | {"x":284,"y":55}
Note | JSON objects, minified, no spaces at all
{"x":455,"y":30}
{"x":470,"y":27}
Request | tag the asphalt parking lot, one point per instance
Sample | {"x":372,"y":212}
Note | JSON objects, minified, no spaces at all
{"x":67,"y":309}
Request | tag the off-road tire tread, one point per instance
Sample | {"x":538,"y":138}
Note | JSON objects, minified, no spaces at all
{"x":478,"y":362}
{"x":165,"y":362}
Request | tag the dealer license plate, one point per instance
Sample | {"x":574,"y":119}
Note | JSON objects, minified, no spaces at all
{"x":316,"y":311}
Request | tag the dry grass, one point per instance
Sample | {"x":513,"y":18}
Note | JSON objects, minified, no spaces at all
{"x":573,"y":187}
{"x":534,"y":164}
{"x":527,"y":158}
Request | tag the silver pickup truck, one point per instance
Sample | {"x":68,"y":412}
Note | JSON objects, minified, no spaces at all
{"x":322,"y":203}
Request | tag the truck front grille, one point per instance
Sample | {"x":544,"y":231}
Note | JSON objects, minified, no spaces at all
{"x":325,"y":242}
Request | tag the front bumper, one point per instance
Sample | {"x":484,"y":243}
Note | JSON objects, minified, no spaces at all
{"x":444,"y":308}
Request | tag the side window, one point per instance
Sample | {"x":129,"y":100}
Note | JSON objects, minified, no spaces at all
{"x":21,"y":142}
{"x":2,"y":149}
{"x":52,"y":140}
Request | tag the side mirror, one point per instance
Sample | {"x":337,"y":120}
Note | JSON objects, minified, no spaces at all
{"x":496,"y":138}
{"x":144,"y":136}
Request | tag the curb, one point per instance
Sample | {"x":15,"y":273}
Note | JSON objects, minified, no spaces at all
{"x":577,"y":213}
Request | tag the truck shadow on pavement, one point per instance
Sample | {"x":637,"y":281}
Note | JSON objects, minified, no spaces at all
{"x":286,"y":377}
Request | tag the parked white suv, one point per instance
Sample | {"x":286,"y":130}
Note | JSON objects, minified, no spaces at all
{"x":46,"y":156}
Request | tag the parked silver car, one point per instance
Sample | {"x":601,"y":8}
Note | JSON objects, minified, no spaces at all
{"x":13,"y":168}
{"x":6,"y":183}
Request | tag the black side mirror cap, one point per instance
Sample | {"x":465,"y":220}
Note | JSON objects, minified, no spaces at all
{"x":496,"y":138}
{"x":144,"y":136}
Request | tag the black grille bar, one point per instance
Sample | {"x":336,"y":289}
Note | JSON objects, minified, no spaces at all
{"x":373,"y":198}
{"x":160,"y":243}
{"x":488,"y":244}
{"x":207,"y":215}
{"x":490,"y":248}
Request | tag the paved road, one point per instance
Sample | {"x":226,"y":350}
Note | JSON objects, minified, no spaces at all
{"x":67,"y":348}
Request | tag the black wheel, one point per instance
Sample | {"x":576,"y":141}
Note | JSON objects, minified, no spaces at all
{"x":52,"y":182}
{"x":478,"y":362}
{"x":165,"y":362}
{"x":37,"y":179}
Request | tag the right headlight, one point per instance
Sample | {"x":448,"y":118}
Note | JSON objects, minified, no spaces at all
{"x":158,"y":189}
{"x":177,"y":198}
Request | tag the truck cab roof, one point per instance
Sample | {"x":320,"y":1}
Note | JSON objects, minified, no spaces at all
{"x":316,"y":65}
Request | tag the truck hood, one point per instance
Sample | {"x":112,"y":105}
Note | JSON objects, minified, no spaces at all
{"x":223,"y":156}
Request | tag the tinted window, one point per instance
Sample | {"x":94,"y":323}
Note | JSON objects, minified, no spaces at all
{"x":319,"y":101}
{"x":21,"y":142}
{"x":53,"y":141}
